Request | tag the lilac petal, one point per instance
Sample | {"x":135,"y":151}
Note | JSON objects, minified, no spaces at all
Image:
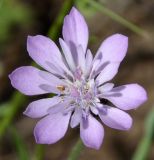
{"x":53,"y":80}
{"x":81,"y":58}
{"x":52,"y":128}
{"x":92,"y":133}
{"x":76,"y":117}
{"x":58,"y":107}
{"x":75,"y":29}
{"x":39,"y":108}
{"x":42,"y":50}
{"x":56,"y":70}
{"x":94,"y":110}
{"x":45,"y":52}
{"x":107,"y":73}
{"x":27,"y":80}
{"x":64,"y":70}
{"x":106,"y":87}
{"x":127,"y":97}
{"x":89,"y":60}
{"x":116,"y":118}
{"x":94,"y":67}
{"x":113,"y":50}
{"x":67,"y":54}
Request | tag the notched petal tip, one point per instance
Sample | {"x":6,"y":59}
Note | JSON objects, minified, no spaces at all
{"x":143,"y":95}
{"x":12,"y":76}
{"x":122,"y":39}
{"x":121,"y":35}
{"x":28,"y":113}
{"x":29,"y":36}
{"x":74,"y":9}
{"x":37,"y":139}
{"x":29,"y":39}
{"x":11,"y":79}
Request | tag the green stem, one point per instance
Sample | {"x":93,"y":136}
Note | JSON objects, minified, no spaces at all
{"x":146,"y":142}
{"x":15,"y":103}
{"x":56,"y":27}
{"x":39,"y":152}
{"x":114,"y":16}
{"x":19,"y":145}
{"x":76,"y":151}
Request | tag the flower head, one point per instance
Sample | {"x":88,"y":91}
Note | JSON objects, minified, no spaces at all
{"x":80,"y":82}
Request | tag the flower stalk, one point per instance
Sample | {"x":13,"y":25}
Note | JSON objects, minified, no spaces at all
{"x":76,"y":150}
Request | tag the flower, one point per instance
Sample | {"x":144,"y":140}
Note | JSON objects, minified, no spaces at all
{"x":80,"y":82}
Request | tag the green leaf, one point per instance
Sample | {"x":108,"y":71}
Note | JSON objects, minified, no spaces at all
{"x":19,"y":145}
{"x":114,"y":16}
{"x":12,"y":12}
{"x":39,"y":152}
{"x":14,"y":104}
{"x":76,"y":150}
{"x":144,"y":146}
{"x":87,"y":10}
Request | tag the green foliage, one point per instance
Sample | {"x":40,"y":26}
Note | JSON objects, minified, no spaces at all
{"x":39,"y":152}
{"x":12,"y":12}
{"x":19,"y":145}
{"x":4,"y":109}
{"x":88,"y":10}
{"x":146,"y":142}
{"x":55,"y":28}
{"x":76,"y":150}
{"x":114,"y":16}
{"x":13,"y":106}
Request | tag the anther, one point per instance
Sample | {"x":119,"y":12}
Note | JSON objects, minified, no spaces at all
{"x":61,"y":88}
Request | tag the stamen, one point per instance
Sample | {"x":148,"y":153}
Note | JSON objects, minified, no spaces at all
{"x":61,"y":88}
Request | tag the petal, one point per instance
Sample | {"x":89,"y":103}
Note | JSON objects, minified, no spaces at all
{"x":60,"y":68}
{"x":39,"y":108}
{"x":52,"y":128}
{"x":93,"y":69}
{"x":75,"y":29}
{"x":28,"y":80}
{"x":112,"y":51}
{"x":59,"y":107}
{"x":89,"y":60}
{"x":94,"y":110}
{"x":108,"y":72}
{"x":91,"y":132}
{"x":81,"y":58}
{"x":106,"y":87}
{"x":67,"y":54}
{"x":42,"y":50}
{"x":76,"y":117}
{"x":127,"y":96}
{"x":53,"y":80}
{"x":116,"y":118}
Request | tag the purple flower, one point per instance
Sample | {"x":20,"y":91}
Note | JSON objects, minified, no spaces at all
{"x":80,"y":83}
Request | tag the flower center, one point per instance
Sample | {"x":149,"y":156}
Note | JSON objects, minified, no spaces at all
{"x":81,"y":93}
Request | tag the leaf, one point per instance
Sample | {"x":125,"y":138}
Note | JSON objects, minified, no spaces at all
{"x":144,"y":146}
{"x":19,"y":145}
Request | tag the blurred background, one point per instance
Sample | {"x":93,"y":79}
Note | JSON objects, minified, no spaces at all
{"x":133,"y":18}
